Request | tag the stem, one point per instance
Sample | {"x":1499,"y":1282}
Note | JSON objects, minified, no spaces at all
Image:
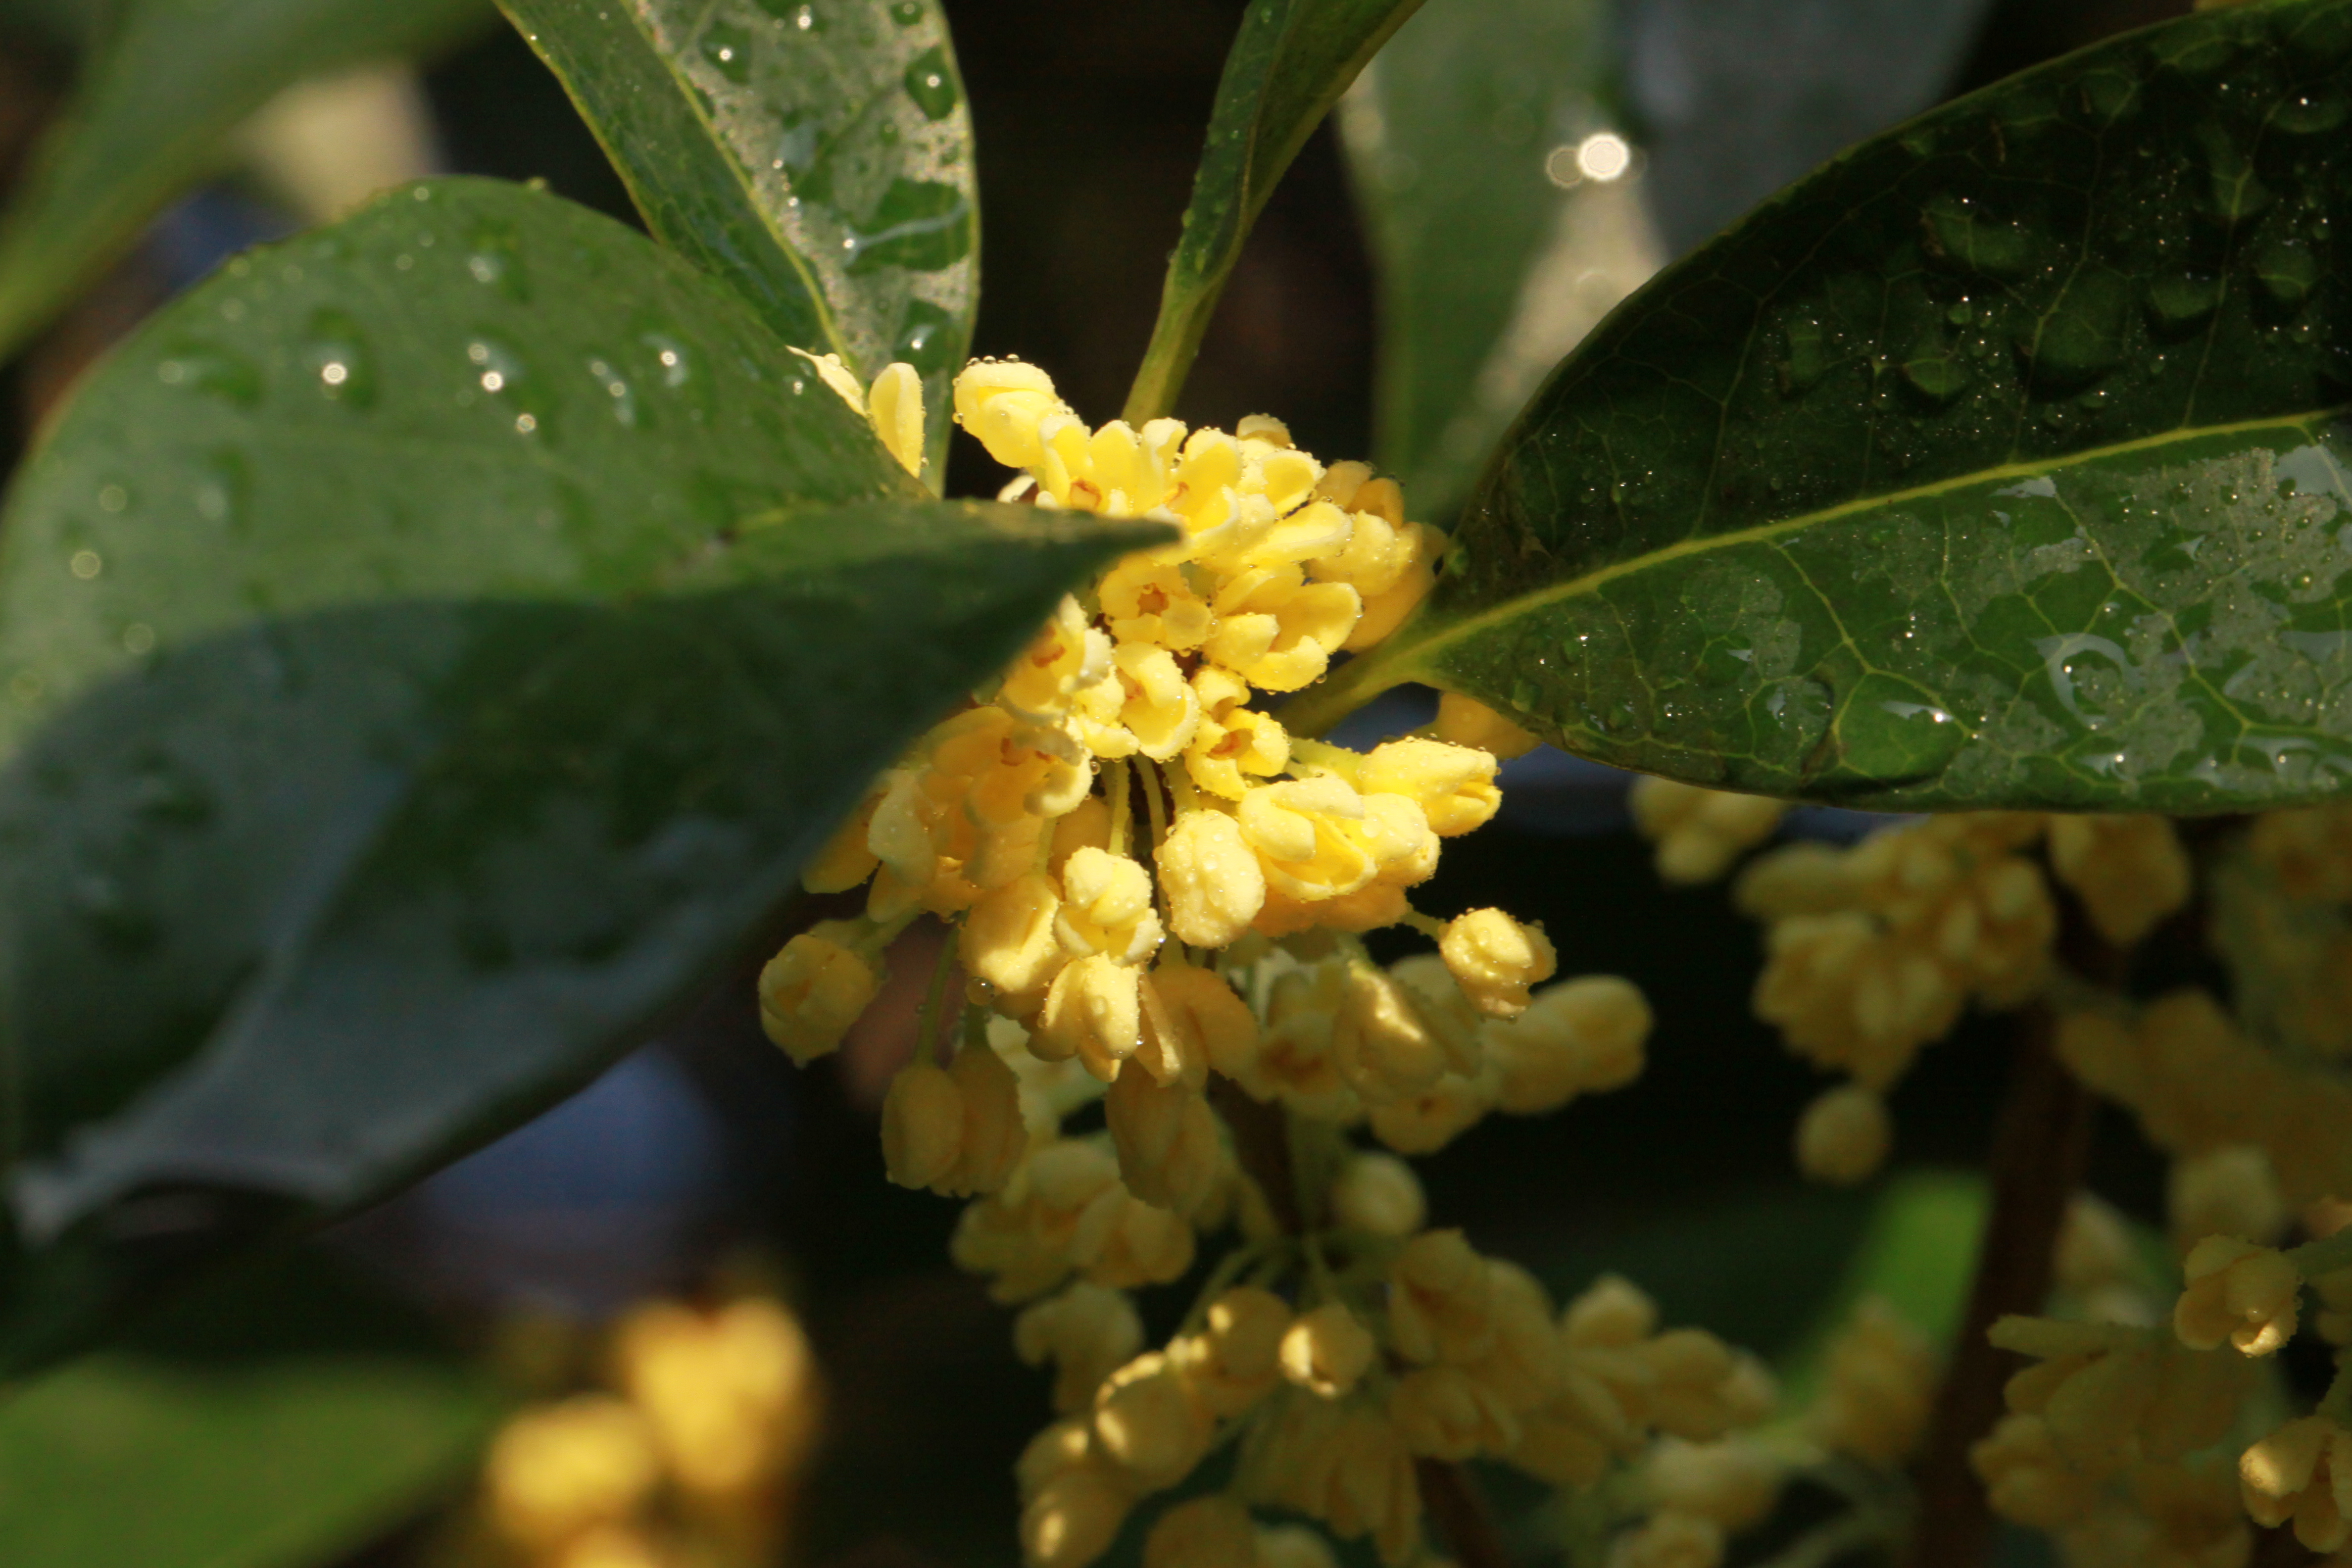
{"x":1322,"y":705}
{"x":2041,"y":1145}
{"x":1120,"y":807}
{"x":927,"y":1021}
{"x":1262,"y":1144}
{"x":1175,"y":344}
{"x":1459,"y":1512}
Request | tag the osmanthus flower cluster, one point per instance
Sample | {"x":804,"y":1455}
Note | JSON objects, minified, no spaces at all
{"x":1158,"y":897}
{"x":1873,"y":951}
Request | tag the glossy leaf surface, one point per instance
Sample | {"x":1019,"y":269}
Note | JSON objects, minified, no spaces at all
{"x":817,"y":156}
{"x":432,"y":647}
{"x":1494,"y":253}
{"x":1289,"y":64}
{"x":277,"y":1418}
{"x":2001,"y":463}
{"x":167,"y":80}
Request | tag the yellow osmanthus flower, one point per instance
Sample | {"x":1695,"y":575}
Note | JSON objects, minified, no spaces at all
{"x":1157,"y":893}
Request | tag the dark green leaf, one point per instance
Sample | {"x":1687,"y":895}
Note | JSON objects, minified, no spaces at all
{"x":2000,"y":463}
{"x":1917,"y":1255}
{"x":433,"y":645}
{"x":816,"y":156}
{"x":279,"y":1418}
{"x":1290,"y":63}
{"x":168,"y":81}
{"x":1494,"y":253}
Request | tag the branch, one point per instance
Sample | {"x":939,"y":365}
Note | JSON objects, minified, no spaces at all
{"x":1459,"y":1512}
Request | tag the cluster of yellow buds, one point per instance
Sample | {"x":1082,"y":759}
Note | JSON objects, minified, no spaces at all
{"x":1873,"y":951}
{"x":691,"y":1455}
{"x":1158,"y":897}
{"x":2198,"y":1084}
{"x":1878,"y":1390}
{"x":2283,"y":920}
{"x":1695,"y":1497}
{"x":1700,"y":833}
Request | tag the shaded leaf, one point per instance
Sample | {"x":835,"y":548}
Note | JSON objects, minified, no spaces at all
{"x":435,"y":644}
{"x":2000,"y":463}
{"x":277,"y":1418}
{"x":1494,"y":253}
{"x":165,"y":82}
{"x":1289,"y":64}
{"x":1917,"y":1254}
{"x":815,"y":156}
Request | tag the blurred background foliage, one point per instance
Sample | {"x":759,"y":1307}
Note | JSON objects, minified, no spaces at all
{"x":1505,"y":173}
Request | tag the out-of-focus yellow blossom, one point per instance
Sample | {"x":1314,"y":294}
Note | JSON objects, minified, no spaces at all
{"x":1074,"y":1498}
{"x":1670,"y":1538}
{"x":1344,"y":1464}
{"x":731,"y":1394}
{"x":558,"y":1470}
{"x":1733,"y":1481}
{"x":1584,"y":1035}
{"x":956,"y":1130}
{"x":1171,"y":1152}
{"x":2238,"y":1291}
{"x":2111,"y":1395}
{"x":1292,"y":1546}
{"x":1207,"y":1532}
{"x":1879,"y":1389}
{"x":1462,"y":721}
{"x":1380,"y":1194}
{"x":2198,"y":1084}
{"x":1086,"y":1331}
{"x":1326,"y":1350}
{"x":2302,"y":1475}
{"x":2130,"y":871}
{"x":2174,"y":1515}
{"x":1843,"y":1136}
{"x":1700,"y":833}
{"x":2226,"y":1191}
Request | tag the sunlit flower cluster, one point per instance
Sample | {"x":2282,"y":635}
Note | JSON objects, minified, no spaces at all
{"x":1167,"y":1026}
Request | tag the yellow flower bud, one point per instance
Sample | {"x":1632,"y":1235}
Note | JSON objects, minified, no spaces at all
{"x":1843,"y":1136}
{"x":922,"y":1125}
{"x":1211,"y":878}
{"x":1426,"y":1122}
{"x":1385,"y":611}
{"x":1086,"y":1331}
{"x":1074,"y":1517}
{"x":2303,"y":1473}
{"x":1009,"y":941}
{"x":559,"y":1470}
{"x":2228,"y":1191}
{"x":1379,"y":1042}
{"x":1453,"y":785}
{"x":1442,"y":1412}
{"x":1236,"y":1360}
{"x":2130,"y":871}
{"x":1326,"y":1351}
{"x":2027,"y":1481}
{"x":895,"y":407}
{"x":2239,"y":1292}
{"x":1495,"y":959}
{"x":1003,"y":403}
{"x":1094,"y":1012}
{"x":1584,"y":1035}
{"x":1147,"y":1420}
{"x":1880,"y":1388}
{"x":813,"y":991}
{"x":846,"y":861}
{"x":1067,"y":656}
{"x":1379,"y":1193}
{"x":1463,"y":722}
{"x":1440,"y":1299}
{"x":1207,"y":1532}
{"x":1292,"y":1546}
{"x":1700,"y":833}
{"x":1106,"y":907}
{"x":1732,"y":1482}
{"x":1670,"y":1538}
{"x":1170,"y":1150}
{"x":1207,"y":1010}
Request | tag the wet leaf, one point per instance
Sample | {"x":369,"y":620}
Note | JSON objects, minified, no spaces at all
{"x":1496,"y":252}
{"x":1290,"y":63}
{"x":279,"y":1418}
{"x":2000,"y":463}
{"x":165,"y":83}
{"x":431,"y":647}
{"x":817,"y":156}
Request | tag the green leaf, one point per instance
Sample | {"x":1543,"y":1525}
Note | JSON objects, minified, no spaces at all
{"x":816,"y":156}
{"x":433,"y":645}
{"x":1917,"y":1254}
{"x":1494,"y":254}
{"x":167,"y":81}
{"x":282,"y":1417}
{"x":1289,"y":64}
{"x":2001,"y":463}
